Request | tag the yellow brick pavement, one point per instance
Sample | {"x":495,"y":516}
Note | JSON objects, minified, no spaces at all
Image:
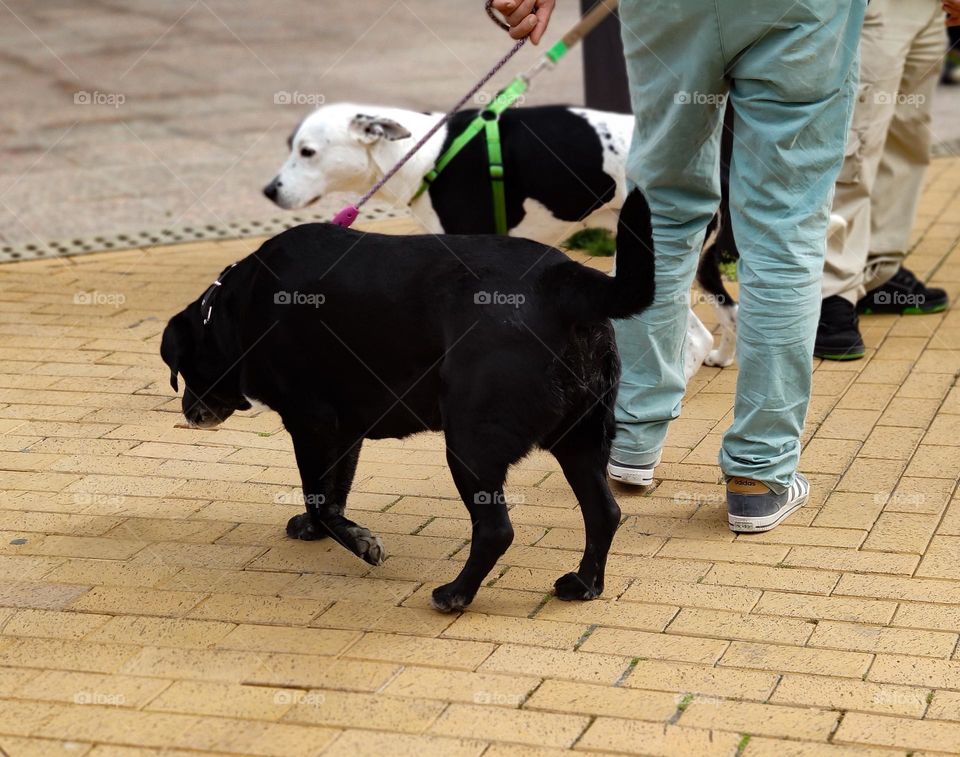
{"x":151,"y":604}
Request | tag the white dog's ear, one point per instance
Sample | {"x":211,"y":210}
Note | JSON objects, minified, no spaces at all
{"x":368,"y":129}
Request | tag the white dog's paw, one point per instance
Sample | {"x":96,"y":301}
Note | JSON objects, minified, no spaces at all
{"x":718,"y":359}
{"x":836,"y":223}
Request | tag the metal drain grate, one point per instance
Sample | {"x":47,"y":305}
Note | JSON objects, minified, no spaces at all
{"x":176,"y":235}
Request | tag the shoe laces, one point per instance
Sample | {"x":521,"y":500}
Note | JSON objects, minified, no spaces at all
{"x":837,"y":314}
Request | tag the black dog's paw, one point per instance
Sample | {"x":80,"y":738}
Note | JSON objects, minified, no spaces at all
{"x":449,"y":599}
{"x":571,"y":586}
{"x":367,"y":546}
{"x":301,"y":527}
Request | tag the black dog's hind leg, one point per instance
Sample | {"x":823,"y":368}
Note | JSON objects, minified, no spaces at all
{"x":582,"y":455}
{"x":327,"y":468}
{"x":480,"y":484}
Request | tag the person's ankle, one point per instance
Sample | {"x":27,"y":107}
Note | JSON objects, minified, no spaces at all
{"x":636,"y":459}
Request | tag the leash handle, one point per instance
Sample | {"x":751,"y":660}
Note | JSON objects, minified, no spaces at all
{"x":590,"y":21}
{"x":349,"y":214}
{"x":572,"y":38}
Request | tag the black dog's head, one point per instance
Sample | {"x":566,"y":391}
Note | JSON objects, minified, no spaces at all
{"x":211,"y":389}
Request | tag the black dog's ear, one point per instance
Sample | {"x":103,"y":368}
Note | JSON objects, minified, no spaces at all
{"x":177,"y":343}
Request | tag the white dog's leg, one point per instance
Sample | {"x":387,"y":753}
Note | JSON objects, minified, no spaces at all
{"x":698,"y":344}
{"x":727,"y":314}
{"x":726,"y":350}
{"x":836,"y":223}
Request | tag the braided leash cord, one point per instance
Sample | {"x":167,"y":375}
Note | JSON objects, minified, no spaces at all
{"x":349,"y":214}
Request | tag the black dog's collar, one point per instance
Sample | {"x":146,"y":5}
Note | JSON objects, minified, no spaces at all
{"x":206,"y":302}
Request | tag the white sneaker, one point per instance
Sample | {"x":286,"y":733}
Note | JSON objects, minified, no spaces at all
{"x":636,"y":475}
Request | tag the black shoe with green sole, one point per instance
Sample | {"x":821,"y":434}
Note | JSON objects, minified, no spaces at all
{"x":838,"y":333}
{"x":904,"y":294}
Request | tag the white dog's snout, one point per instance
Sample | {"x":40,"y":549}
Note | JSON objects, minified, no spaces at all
{"x":272,"y":190}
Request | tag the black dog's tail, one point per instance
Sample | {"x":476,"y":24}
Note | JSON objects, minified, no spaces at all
{"x":633,"y":286}
{"x":587,"y":295}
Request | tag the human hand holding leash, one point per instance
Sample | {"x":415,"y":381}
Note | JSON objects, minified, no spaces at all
{"x":526,"y":17}
{"x":952,"y":7}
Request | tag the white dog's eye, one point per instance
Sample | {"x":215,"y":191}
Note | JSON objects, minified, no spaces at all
{"x":307,"y":152}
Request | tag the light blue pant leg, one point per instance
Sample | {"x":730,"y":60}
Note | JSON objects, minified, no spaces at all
{"x":676,"y":83}
{"x":792,"y":94}
{"x":677,"y":54}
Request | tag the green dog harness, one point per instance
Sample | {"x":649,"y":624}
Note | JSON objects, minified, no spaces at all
{"x":488,"y":121}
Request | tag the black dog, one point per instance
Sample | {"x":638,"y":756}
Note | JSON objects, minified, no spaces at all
{"x":502,"y":343}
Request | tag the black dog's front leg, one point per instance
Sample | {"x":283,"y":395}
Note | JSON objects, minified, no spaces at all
{"x":326,"y":471}
{"x":301,"y":526}
{"x":314,"y":445}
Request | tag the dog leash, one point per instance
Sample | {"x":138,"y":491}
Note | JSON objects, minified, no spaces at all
{"x":503,"y":100}
{"x":488,"y":119}
{"x":349,"y":214}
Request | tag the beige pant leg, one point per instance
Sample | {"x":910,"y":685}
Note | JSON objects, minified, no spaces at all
{"x":890,"y":31}
{"x":906,"y":155}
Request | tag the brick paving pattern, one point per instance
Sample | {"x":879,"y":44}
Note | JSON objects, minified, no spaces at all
{"x":151,"y":604}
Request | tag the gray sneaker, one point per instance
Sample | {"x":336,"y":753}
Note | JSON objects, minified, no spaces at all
{"x":752,"y":507}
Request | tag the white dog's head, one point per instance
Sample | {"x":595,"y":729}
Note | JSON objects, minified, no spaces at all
{"x":333,"y":151}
